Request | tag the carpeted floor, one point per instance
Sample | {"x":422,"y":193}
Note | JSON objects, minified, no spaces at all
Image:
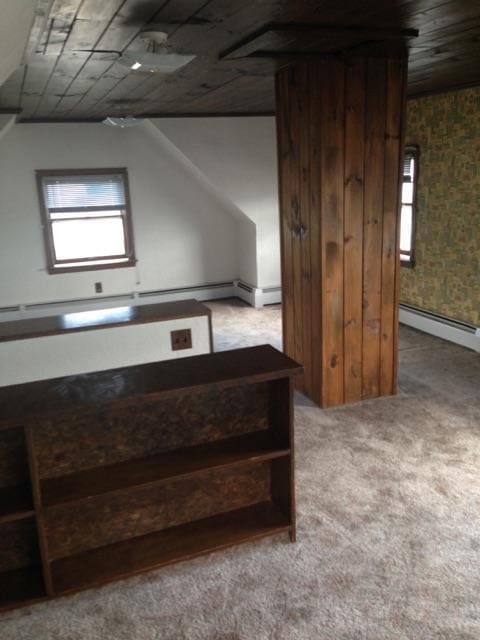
{"x":389,"y":525}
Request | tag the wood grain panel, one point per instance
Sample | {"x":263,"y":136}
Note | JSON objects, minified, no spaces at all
{"x":106,"y":519}
{"x":13,"y":458}
{"x":285,"y":173}
{"x":303,"y":236}
{"x":393,"y":150}
{"x":76,"y":442}
{"x":353,"y":229}
{"x":296,"y":216}
{"x":332,"y":230}
{"x":315,"y":132}
{"x":343,"y":172}
{"x":19,"y":547}
{"x":167,"y":546}
{"x":373,"y":224}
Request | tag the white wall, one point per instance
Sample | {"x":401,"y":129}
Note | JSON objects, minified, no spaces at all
{"x":247,"y":229}
{"x":238,"y":156}
{"x":108,"y":348}
{"x":184,"y":234}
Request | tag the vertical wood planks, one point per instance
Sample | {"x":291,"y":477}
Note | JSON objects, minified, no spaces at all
{"x":286,"y":168}
{"x":353,"y":226}
{"x":403,"y":70}
{"x":296,"y":215}
{"x":332,"y":230}
{"x":391,"y":203}
{"x":315,"y":164}
{"x":373,"y":224}
{"x":339,"y":139}
{"x":303,"y":238}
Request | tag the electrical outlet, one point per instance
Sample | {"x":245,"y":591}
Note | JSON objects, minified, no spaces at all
{"x":98,"y":287}
{"x":181,"y":339}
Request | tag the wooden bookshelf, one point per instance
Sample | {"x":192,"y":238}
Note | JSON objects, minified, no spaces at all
{"x":20,"y":587}
{"x":16,"y":503}
{"x":163,"y":467}
{"x":166,"y":547}
{"x":201,"y":450}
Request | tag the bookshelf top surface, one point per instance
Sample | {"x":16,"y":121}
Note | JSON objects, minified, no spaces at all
{"x":26,"y":403}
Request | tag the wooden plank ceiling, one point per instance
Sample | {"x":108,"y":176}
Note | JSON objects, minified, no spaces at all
{"x":71,"y":69}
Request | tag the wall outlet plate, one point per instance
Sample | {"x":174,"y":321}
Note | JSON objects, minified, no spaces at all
{"x":181,"y":339}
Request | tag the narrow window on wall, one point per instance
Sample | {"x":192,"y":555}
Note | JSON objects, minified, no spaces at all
{"x":86,"y":219}
{"x":407,"y":219}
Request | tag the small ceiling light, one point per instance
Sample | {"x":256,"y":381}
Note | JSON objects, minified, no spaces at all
{"x":155,"y":62}
{"x":122,"y":122}
{"x":158,"y":57}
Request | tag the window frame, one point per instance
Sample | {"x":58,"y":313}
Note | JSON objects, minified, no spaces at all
{"x":414,"y":148}
{"x":54,"y":265}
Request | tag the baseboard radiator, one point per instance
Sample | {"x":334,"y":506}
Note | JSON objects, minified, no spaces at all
{"x":443,"y":327}
{"x":237,"y":288}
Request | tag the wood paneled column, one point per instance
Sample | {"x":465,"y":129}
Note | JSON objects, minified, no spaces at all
{"x":340,"y":126}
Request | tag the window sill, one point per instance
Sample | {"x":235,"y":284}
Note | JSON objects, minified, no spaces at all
{"x":94,"y":267}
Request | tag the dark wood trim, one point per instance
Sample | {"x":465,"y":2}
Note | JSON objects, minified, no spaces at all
{"x":81,"y":172}
{"x":407,"y":265}
{"x":113,"y":257}
{"x":52,"y":262}
{"x":86,"y":210}
{"x":210,"y":330}
{"x":37,"y":501}
{"x":141,"y":314}
{"x":247,"y":47}
{"x":59,"y":120}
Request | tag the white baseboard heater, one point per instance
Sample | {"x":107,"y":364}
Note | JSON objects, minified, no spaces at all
{"x":443,"y":327}
{"x":252,"y":295}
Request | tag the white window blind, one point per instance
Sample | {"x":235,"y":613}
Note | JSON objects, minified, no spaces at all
{"x":72,"y":193}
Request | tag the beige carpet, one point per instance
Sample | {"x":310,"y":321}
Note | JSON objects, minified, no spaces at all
{"x":389,"y":526}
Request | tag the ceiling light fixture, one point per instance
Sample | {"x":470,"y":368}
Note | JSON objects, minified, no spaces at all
{"x":158,"y":58}
{"x":112,"y":121}
{"x":155,"y":62}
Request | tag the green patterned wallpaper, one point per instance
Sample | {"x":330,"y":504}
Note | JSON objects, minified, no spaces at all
{"x":446,"y":278}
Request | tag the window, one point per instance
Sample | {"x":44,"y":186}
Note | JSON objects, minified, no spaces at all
{"x":86,"y":219}
{"x":407,"y":219}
